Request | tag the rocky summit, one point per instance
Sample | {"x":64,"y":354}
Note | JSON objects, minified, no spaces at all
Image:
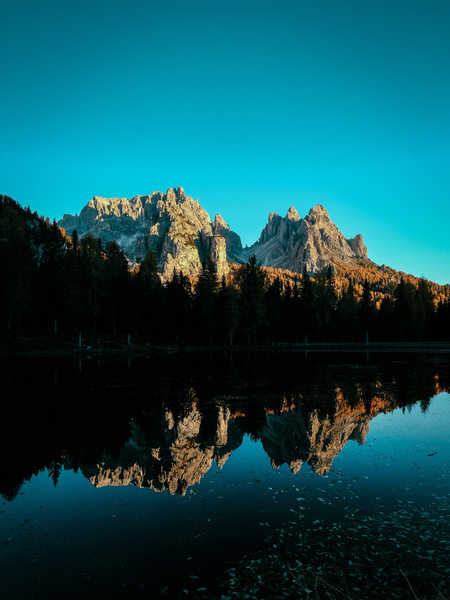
{"x":313,"y":242}
{"x":181,"y":457}
{"x":182,"y":235}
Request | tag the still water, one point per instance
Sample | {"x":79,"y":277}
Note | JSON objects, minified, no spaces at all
{"x":133,"y":477}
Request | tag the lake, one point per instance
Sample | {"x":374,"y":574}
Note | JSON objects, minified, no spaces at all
{"x":141,"y":477}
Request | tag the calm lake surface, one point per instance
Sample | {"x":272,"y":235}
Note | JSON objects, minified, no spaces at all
{"x":132,"y":477}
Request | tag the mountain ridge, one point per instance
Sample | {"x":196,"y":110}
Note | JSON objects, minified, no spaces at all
{"x":182,"y":235}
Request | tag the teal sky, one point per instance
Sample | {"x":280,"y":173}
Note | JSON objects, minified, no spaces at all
{"x":250,"y":106}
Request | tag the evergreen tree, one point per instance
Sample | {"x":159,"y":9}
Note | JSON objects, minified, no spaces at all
{"x":331,"y":289}
{"x":385,"y":320}
{"x":147,"y":275}
{"x":347,"y":314}
{"x":115,"y":290}
{"x":292,"y":309}
{"x":252,"y":309}
{"x":307,"y":314}
{"x":424,"y":310}
{"x":51,"y":281}
{"x":405,"y":311}
{"x":205,"y":302}
{"x":178,"y":305}
{"x":325,"y":304}
{"x":91,"y":263}
{"x":274,"y":310}
{"x":147,"y":293}
{"x":441,"y":321}
{"x":366,"y":311}
{"x":18,"y":264}
{"x":227,"y":312}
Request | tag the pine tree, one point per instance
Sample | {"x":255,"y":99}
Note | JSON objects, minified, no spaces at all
{"x":307,"y":314}
{"x":385,"y":319}
{"x":147,"y":319}
{"x":274,"y":310}
{"x":424,"y":309}
{"x":205,"y":302}
{"x":405,"y":311}
{"x":347,"y":314}
{"x":252,"y":309}
{"x":366,"y":310}
{"x":178,"y":308}
{"x":115,"y":286}
{"x":227,"y":312}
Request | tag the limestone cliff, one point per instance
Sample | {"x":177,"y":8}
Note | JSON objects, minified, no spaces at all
{"x":233,"y":241}
{"x":180,"y":459}
{"x":188,"y":443}
{"x":300,"y":436}
{"x":181,"y":234}
{"x":172,"y":225}
{"x":313,"y":242}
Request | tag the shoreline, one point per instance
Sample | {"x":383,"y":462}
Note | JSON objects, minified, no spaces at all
{"x":146,"y":349}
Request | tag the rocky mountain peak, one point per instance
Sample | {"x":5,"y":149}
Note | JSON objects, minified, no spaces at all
{"x":219,"y":222}
{"x":318,"y":213}
{"x":181,"y":234}
{"x":177,"y":195}
{"x":292,"y":214}
{"x":313,"y":242}
{"x":358,"y":246}
{"x":232,"y":240}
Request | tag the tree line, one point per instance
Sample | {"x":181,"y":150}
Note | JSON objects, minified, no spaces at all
{"x":83,"y":290}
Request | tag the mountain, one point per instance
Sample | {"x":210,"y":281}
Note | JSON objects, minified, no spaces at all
{"x":182,"y":235}
{"x":177,"y":461}
{"x":313,"y":242}
{"x":172,"y":225}
{"x":180,"y":454}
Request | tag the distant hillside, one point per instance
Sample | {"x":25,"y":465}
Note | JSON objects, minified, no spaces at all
{"x":382,"y":279}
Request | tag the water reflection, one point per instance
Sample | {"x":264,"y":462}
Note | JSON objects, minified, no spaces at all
{"x":162,"y":427}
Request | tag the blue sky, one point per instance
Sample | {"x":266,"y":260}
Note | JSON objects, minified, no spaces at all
{"x":250,"y":106}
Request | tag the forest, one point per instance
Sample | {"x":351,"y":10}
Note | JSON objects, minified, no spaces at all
{"x":66,"y":289}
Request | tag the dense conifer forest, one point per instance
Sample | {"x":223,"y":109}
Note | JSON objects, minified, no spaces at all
{"x":80,"y":290}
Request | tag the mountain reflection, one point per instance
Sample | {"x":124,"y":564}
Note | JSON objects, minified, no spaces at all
{"x":165,"y":432}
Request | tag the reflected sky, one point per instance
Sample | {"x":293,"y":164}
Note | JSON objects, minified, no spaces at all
{"x":124,"y":539}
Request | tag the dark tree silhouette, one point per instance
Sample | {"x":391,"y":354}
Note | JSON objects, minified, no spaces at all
{"x":227,"y":313}
{"x":57,"y":288}
{"x":205,"y":302}
{"x":366,"y":311}
{"x":252,"y":308}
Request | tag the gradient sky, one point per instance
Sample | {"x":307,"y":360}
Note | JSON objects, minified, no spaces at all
{"x":250,"y":106}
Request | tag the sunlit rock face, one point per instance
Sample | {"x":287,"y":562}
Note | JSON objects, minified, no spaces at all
{"x":183,"y":446}
{"x":181,"y":234}
{"x":296,"y":438}
{"x":232,"y":240}
{"x":172,"y":225}
{"x":183,"y":457}
{"x":313,"y":242}
{"x":218,"y":255}
{"x":299,"y":436}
